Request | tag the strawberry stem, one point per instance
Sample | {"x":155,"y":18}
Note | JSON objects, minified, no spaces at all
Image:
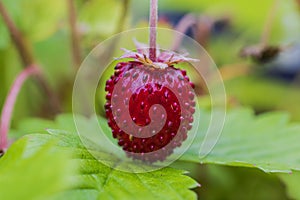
{"x":10,"y":102}
{"x":153,"y":27}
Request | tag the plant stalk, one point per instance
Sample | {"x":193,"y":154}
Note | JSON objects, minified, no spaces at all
{"x":10,"y":101}
{"x":184,"y":24}
{"x":266,"y":33}
{"x":16,"y":35}
{"x":153,"y":29}
{"x":27,"y":57}
{"x":74,"y":34}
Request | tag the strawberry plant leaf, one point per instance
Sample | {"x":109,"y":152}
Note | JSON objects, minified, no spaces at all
{"x":291,"y":181}
{"x":95,"y":180}
{"x":33,"y":172}
{"x":267,"y":142}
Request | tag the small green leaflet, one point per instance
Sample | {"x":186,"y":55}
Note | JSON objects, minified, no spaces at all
{"x":33,"y":172}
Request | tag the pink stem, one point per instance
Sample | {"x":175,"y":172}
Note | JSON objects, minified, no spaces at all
{"x":184,"y":24}
{"x":10,"y":103}
{"x":153,"y":27}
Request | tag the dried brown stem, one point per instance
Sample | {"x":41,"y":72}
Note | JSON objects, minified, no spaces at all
{"x":75,"y":37}
{"x":27,"y":57}
{"x":298,"y":2}
{"x":16,"y":35}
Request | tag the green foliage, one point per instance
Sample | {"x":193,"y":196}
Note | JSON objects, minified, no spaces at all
{"x":266,"y":142}
{"x":10,"y":67}
{"x":245,"y":19}
{"x":39,"y":166}
{"x":264,"y":94}
{"x":33,"y":172}
{"x":95,"y":180}
{"x":292,"y":182}
{"x":228,"y":183}
{"x":100,"y":16}
{"x":24,"y":14}
{"x":57,"y":73}
{"x":100,"y":19}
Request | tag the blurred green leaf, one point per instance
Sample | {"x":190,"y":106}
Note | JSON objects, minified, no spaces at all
{"x":4,"y":35}
{"x":100,"y":16}
{"x":37,"y":19}
{"x":292,"y":183}
{"x":228,"y":183}
{"x":265,"y":94}
{"x":54,"y":54}
{"x":250,"y":17}
{"x":33,"y":172}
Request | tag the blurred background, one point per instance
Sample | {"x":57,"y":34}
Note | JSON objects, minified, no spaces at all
{"x":255,"y":44}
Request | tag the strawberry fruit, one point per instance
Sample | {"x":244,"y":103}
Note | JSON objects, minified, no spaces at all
{"x":150,"y":105}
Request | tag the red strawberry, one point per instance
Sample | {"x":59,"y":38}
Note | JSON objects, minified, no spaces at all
{"x":150,"y":105}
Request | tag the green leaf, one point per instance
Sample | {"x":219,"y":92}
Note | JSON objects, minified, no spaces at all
{"x":95,"y":180}
{"x":56,"y":47}
{"x":100,"y":16}
{"x":267,"y":142}
{"x":33,"y":172}
{"x":292,"y":183}
{"x":37,"y":19}
{"x":98,"y":181}
{"x":228,"y":183}
{"x":251,"y":90}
